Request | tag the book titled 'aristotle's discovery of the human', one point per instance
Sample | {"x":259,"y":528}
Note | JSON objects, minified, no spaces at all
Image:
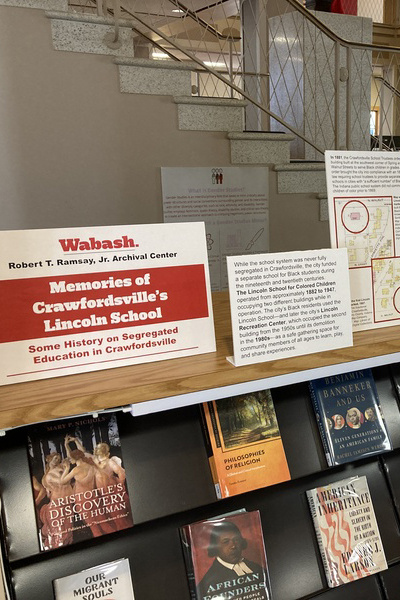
{"x":225,"y":558}
{"x":78,"y":480}
{"x":347,"y":531}
{"x":244,"y":443}
{"x":111,"y":580}
{"x":349,"y":416}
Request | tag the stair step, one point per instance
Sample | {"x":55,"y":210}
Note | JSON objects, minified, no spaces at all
{"x":158,"y":77}
{"x":210,"y":114}
{"x":43,"y":4}
{"x":301,"y":177}
{"x":79,"y":32}
{"x":260,"y":148}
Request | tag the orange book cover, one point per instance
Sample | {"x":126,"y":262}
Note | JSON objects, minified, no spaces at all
{"x":244,"y":443}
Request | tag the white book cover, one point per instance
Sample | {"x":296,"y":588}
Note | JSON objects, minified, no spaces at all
{"x":111,"y":580}
{"x":347,"y":531}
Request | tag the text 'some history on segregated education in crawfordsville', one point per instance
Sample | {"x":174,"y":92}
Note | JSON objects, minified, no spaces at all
{"x":85,"y":299}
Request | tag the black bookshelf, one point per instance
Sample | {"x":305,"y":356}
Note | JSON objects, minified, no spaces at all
{"x":170,"y":485}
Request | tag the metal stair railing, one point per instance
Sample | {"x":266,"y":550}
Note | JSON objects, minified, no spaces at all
{"x":385,"y":86}
{"x":325,"y":103}
{"x":390,"y":87}
{"x":236,"y":88}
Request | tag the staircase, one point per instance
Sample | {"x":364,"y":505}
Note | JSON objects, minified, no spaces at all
{"x":73,"y":32}
{"x":172,"y":78}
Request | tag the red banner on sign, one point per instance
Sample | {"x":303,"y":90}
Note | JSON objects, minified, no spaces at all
{"x":70,"y":304}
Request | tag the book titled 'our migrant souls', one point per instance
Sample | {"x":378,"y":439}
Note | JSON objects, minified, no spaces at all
{"x":347,"y":531}
{"x":111,"y":580}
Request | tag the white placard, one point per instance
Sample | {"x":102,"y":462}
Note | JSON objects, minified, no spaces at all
{"x":232,"y":202}
{"x":289,"y":304}
{"x":364,"y":217}
{"x":75,"y":300}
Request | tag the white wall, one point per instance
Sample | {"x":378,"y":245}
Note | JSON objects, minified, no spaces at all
{"x":74,"y":151}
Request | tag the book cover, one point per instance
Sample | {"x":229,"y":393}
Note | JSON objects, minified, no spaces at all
{"x":395,"y":377}
{"x":349,"y":416}
{"x":111,"y":580}
{"x":244,"y":443}
{"x":347,"y":531}
{"x":78,"y":480}
{"x":225,"y":558}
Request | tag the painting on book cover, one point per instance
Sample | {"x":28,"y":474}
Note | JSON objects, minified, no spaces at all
{"x":78,"y":480}
{"x":246,"y":419}
{"x":228,"y":558}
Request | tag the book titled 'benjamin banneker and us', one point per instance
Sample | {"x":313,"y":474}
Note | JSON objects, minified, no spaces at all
{"x":349,"y":416}
{"x":78,"y":480}
{"x":347,"y":531}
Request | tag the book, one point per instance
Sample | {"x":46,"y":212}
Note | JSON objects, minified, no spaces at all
{"x":394,"y":370}
{"x":111,"y":579}
{"x":78,"y":480}
{"x":347,"y":531}
{"x":244,"y":443}
{"x":5,"y":584}
{"x":349,"y":416}
{"x":225,"y":558}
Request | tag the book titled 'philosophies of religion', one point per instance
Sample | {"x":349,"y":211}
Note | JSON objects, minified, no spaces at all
{"x":225,"y":558}
{"x":244,"y":443}
{"x":349,"y":416}
{"x":347,"y":531}
{"x":111,"y":580}
{"x":78,"y":480}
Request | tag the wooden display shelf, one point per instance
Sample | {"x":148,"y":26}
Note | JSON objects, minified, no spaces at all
{"x":149,"y":387}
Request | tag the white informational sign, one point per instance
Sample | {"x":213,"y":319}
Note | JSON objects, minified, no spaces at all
{"x":232,"y":202}
{"x":74,"y":300}
{"x":364,"y":217}
{"x":289,"y":304}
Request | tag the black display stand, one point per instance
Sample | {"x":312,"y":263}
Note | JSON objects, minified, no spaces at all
{"x":170,"y":485}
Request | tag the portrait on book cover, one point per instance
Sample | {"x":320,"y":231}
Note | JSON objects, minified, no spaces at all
{"x":370,"y":414}
{"x":354,"y":418}
{"x":228,"y":553}
{"x":339,"y":421}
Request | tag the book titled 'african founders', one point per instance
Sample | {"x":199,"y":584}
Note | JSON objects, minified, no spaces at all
{"x":78,"y":480}
{"x":244,"y":443}
{"x":225,"y":558}
{"x":347,"y":530}
{"x":349,"y":416}
{"x":111,"y":580}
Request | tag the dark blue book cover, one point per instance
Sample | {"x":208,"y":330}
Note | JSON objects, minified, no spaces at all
{"x":349,"y":416}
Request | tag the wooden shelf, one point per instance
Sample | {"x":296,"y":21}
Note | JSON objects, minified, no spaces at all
{"x":179,"y":382}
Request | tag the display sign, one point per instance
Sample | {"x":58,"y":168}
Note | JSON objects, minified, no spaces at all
{"x":289,"y":304}
{"x":364,"y":217}
{"x":233,"y":203}
{"x":74,"y":300}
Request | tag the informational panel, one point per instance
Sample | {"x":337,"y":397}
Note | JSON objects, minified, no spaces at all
{"x":74,"y":300}
{"x":364,"y":217}
{"x":289,"y":304}
{"x":232,"y":202}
